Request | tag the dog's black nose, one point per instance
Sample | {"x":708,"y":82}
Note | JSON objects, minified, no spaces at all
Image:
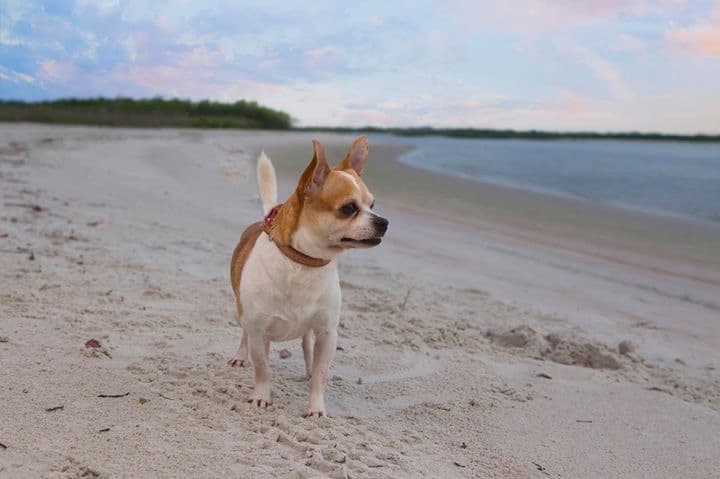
{"x":381,"y":225}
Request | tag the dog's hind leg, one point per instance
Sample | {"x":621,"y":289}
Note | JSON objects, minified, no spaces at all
{"x":241,"y":357}
{"x":308,"y":343}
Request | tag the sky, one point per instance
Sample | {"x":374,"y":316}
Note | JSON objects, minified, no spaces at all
{"x":603,"y":65}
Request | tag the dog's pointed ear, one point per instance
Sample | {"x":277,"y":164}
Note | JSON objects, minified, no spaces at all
{"x":316,"y":172}
{"x":356,"y":157}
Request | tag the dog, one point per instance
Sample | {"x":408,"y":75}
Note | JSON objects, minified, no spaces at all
{"x":284,"y":271}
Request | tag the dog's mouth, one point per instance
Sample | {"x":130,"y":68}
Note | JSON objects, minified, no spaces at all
{"x":368,"y":242}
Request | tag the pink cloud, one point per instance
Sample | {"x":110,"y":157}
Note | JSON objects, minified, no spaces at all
{"x":196,"y":73}
{"x":319,"y":57}
{"x":572,"y":103}
{"x":703,"y":38}
{"x":605,"y":71}
{"x":367,"y":117}
{"x":531,"y":17}
{"x":629,"y":44}
{"x":487,"y":111}
{"x":57,"y":72}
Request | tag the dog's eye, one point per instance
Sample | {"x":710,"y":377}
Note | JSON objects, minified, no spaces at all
{"x":372,"y":205}
{"x":349,"y":209}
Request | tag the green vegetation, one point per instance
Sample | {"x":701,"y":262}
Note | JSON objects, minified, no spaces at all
{"x":155,"y":112}
{"x":526,"y":134}
{"x":160,"y":112}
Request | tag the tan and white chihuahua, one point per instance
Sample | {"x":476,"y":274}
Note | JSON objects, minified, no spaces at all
{"x":286,"y":280}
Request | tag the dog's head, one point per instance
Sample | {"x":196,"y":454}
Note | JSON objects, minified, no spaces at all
{"x":335,"y":208}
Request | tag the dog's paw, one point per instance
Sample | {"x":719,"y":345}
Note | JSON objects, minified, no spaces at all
{"x":259,"y":402}
{"x":237,"y":362}
{"x":240,"y":359}
{"x":316,"y":412}
{"x":316,"y":408}
{"x":258,"y":399}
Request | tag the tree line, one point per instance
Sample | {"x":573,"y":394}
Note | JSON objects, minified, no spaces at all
{"x":152,"y":112}
{"x":162,"y":112}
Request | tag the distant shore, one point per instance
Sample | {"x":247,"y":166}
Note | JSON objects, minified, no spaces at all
{"x":174,"y":112}
{"x":491,"y":133}
{"x":146,"y":113}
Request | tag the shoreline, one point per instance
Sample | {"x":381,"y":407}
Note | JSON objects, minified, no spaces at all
{"x":480,"y":182}
{"x":477,"y":202}
{"x":468,"y":193}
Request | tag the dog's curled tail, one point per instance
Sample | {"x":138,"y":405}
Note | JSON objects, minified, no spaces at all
{"x":267,"y":183}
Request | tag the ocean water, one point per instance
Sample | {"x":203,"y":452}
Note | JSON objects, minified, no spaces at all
{"x":676,"y":179}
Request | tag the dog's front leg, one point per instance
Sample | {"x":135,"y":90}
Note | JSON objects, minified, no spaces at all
{"x":308,"y":343}
{"x":259,"y":347}
{"x":324,"y":351}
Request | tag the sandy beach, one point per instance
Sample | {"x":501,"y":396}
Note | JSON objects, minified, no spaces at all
{"x":481,"y":339}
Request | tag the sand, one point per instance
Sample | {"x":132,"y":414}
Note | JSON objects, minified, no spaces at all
{"x":479,"y":340}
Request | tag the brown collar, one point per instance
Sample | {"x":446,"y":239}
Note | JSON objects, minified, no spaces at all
{"x":287,"y":250}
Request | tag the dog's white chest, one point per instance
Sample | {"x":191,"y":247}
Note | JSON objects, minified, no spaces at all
{"x":284,"y":300}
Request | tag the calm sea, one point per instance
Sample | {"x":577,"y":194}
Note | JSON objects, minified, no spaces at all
{"x":678,"y":179}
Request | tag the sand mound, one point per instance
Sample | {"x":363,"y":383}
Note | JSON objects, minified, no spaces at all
{"x":589,"y":355}
{"x":570,"y":349}
{"x":560,"y":348}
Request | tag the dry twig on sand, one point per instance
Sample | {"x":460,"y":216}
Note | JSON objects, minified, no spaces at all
{"x":407,"y":296}
{"x":113,"y":395}
{"x":34,"y":207}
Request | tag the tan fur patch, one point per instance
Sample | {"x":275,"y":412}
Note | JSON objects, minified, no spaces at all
{"x":240,"y":256}
{"x":342,"y":186}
